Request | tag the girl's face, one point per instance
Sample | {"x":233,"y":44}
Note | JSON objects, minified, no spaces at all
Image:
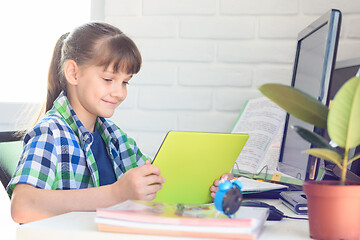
{"x":98,"y":92}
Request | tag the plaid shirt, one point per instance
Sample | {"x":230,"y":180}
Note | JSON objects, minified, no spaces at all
{"x":57,"y":152}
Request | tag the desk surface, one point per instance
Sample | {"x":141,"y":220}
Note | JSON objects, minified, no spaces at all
{"x":81,"y":225}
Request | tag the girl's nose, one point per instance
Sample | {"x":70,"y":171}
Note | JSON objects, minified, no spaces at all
{"x":118,"y":90}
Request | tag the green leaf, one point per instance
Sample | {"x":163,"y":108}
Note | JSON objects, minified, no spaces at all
{"x":344,"y":115}
{"x":297,"y":103}
{"x":326,"y":154}
{"x":354,"y":158}
{"x":312,"y":138}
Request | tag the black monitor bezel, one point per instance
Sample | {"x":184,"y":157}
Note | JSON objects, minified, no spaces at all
{"x":333,"y":20}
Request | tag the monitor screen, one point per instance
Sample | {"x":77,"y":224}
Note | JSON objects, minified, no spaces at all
{"x":344,"y":70}
{"x":313,"y":67}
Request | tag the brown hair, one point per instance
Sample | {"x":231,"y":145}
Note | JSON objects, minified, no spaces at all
{"x":94,"y":43}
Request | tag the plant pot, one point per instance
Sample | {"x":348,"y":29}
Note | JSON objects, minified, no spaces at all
{"x":333,"y":209}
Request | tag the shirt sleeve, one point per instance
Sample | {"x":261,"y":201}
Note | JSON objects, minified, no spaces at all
{"x":38,"y":161}
{"x":130,"y":154}
{"x":140,"y":157}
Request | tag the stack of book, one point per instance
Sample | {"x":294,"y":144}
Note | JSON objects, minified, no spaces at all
{"x":186,"y":220}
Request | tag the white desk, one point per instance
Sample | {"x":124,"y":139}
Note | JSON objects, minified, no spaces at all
{"x":81,"y":225}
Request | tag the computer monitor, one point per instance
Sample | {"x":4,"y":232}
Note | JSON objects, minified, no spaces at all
{"x":313,"y":67}
{"x":344,"y":70}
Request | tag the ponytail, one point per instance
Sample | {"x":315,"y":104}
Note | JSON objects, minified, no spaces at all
{"x":56,"y":81}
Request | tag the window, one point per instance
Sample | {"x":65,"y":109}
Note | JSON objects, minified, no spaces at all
{"x":29,"y":31}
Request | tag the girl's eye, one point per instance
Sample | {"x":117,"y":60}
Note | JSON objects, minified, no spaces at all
{"x":107,"y":79}
{"x":126,"y":83}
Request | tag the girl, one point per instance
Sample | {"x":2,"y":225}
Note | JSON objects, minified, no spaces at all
{"x":74,"y":148}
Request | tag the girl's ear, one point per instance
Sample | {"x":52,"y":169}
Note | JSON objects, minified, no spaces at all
{"x":71,"y":70}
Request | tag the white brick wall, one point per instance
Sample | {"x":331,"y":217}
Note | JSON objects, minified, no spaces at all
{"x":319,"y":6}
{"x":259,"y":7}
{"x":203,"y":58}
{"x":179,"y":7}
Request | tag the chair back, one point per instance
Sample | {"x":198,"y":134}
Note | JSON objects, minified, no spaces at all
{"x":11,"y":145}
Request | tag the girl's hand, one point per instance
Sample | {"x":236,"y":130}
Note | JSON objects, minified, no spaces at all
{"x":140,"y":183}
{"x":214,"y":187}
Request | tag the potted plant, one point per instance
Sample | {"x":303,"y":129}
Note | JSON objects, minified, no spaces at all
{"x":333,"y":206}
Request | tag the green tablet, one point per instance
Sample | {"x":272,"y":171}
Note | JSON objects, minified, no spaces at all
{"x":191,"y":161}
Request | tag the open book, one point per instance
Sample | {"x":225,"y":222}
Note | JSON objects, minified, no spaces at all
{"x":264,"y":121}
{"x":172,"y":219}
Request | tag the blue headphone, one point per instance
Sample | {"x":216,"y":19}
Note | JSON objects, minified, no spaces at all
{"x":228,"y":197}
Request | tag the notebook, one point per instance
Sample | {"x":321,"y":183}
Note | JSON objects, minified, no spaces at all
{"x":191,"y":161}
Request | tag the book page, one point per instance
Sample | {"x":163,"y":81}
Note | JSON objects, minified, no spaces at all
{"x":261,"y":119}
{"x":272,"y":155}
{"x":251,"y":185}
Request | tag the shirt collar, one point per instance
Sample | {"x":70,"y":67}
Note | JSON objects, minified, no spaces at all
{"x":63,"y":106}
{"x":107,"y":132}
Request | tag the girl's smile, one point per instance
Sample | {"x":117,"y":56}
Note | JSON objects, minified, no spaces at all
{"x":110,"y":102}
{"x":96,"y":92}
